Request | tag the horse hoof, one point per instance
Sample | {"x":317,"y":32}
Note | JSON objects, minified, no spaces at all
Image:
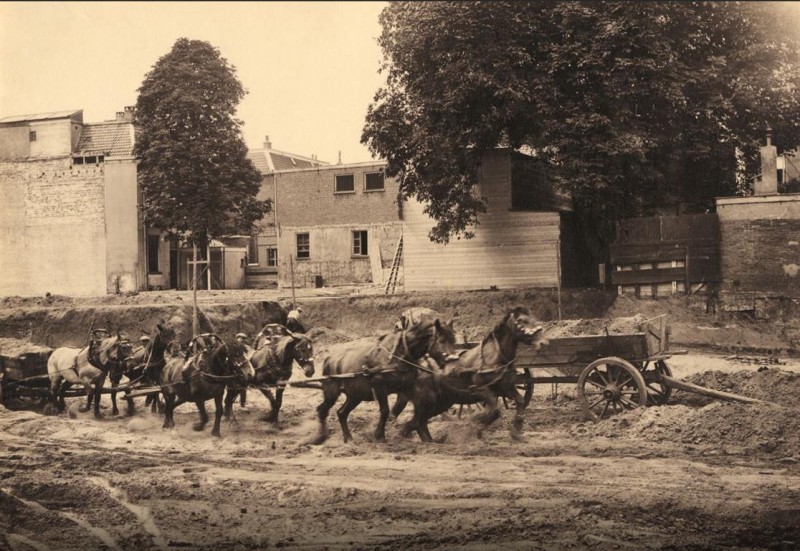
{"x":216,"y":433}
{"x":516,"y":435}
{"x":198,"y":427}
{"x":317,"y":440}
{"x":83,"y":409}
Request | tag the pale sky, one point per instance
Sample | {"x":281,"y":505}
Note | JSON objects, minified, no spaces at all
{"x":311,"y":68}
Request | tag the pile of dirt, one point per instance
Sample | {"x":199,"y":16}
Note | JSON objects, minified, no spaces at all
{"x":771,"y":385}
{"x":597,"y":326}
{"x":325,"y":338}
{"x":728,"y":426}
{"x":16,"y":347}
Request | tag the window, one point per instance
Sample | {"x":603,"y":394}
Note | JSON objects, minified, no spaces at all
{"x":360,"y":245}
{"x":345,"y":183}
{"x":303,"y":246}
{"x":32,"y":135}
{"x":153,"y":242}
{"x":252,"y":249}
{"x":373,"y":181}
{"x":272,"y":256}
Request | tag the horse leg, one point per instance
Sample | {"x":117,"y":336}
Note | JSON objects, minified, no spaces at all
{"x":87,"y":386}
{"x":131,"y":411}
{"x":62,"y":390}
{"x":115,"y":379}
{"x":55,"y":391}
{"x":169,"y":407}
{"x":519,"y":419}
{"x":422,"y":426}
{"x":399,"y":405}
{"x":218,"y":412}
{"x":201,"y":409}
{"x":98,"y":391}
{"x":230,"y":397}
{"x":272,"y":415}
{"x":331,"y":394}
{"x":382,"y":397}
{"x":343,"y":413}
{"x":243,"y":398}
{"x":491,"y":414}
{"x":276,"y":405}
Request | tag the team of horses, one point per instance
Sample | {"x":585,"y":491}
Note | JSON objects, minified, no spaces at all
{"x":418,"y":361}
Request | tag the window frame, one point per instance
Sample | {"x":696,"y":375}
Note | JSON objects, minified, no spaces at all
{"x":32,"y":136}
{"x":151,"y":239}
{"x":356,"y":237}
{"x":252,"y":247}
{"x":271,"y":259}
{"x":383,"y":182}
{"x":307,"y":245}
{"x":336,"y":184}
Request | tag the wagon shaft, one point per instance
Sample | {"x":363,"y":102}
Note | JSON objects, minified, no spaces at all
{"x":689,"y":387}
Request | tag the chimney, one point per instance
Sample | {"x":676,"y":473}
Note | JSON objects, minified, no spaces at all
{"x":267,"y":143}
{"x":128,"y":114}
{"x":768,"y":183}
{"x":120,"y":115}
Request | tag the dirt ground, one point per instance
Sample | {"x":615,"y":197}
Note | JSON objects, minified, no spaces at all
{"x":694,"y":474}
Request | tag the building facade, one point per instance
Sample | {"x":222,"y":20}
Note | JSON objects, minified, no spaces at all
{"x":329,"y":225}
{"x":69,"y":222}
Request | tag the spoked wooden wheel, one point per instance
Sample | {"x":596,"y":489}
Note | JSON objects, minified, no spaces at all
{"x":657,"y":392}
{"x":610,"y":385}
{"x":526,"y":386}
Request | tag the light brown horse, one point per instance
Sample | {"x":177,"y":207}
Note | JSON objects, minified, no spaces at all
{"x":479,"y":375}
{"x":377,"y":368}
{"x":88,"y":366}
{"x":209,"y":366}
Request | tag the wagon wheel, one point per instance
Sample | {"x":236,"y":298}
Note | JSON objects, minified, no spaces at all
{"x":610,"y":385}
{"x":526,"y":386}
{"x":657,"y":392}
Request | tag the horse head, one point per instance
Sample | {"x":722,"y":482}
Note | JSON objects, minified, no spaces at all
{"x":112,"y":352}
{"x":521,"y":327}
{"x":236,"y":361}
{"x":303,"y":353}
{"x":430,"y":337}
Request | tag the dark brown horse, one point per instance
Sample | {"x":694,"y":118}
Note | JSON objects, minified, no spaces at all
{"x":209,"y":366}
{"x":273,"y":362}
{"x":143,"y":365}
{"x":479,"y":375}
{"x":377,"y":368}
{"x":89,"y":366}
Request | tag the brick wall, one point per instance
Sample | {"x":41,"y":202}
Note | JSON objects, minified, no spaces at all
{"x":52,"y":229}
{"x":307,"y":198}
{"x":761,"y":256}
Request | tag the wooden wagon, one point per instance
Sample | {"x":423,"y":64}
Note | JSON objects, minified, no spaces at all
{"x":613,"y":372}
{"x":23,"y":376}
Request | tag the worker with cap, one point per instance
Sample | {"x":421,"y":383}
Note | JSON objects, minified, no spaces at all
{"x":293,"y":320}
{"x":244,"y":340}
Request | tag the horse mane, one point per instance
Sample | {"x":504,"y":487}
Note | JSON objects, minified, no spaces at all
{"x":282,"y":346}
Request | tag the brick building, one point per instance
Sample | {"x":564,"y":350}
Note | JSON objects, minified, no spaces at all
{"x":760,"y":242}
{"x":69,"y":221}
{"x":330,"y":224}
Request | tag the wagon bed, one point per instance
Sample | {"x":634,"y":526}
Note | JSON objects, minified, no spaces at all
{"x":613,"y":372}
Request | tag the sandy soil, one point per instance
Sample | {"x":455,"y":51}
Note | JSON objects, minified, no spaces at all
{"x":694,"y":474}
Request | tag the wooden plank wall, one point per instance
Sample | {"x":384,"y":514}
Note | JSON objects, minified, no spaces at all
{"x":653,"y":252}
{"x":511,"y":249}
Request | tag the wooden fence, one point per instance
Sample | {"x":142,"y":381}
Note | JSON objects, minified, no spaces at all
{"x":665,"y":255}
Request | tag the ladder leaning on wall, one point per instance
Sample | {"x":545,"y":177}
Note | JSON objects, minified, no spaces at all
{"x":391,"y":282}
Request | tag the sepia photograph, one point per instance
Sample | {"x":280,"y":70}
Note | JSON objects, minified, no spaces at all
{"x":405,"y":275}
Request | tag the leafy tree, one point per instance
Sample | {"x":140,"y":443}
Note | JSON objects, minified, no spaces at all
{"x":196,"y":180}
{"x":630,"y":105}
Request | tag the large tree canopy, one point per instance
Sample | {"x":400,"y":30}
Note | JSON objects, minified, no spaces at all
{"x":631,"y":105}
{"x":194,"y":173}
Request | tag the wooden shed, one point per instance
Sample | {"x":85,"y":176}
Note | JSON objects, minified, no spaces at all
{"x":516,"y":242}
